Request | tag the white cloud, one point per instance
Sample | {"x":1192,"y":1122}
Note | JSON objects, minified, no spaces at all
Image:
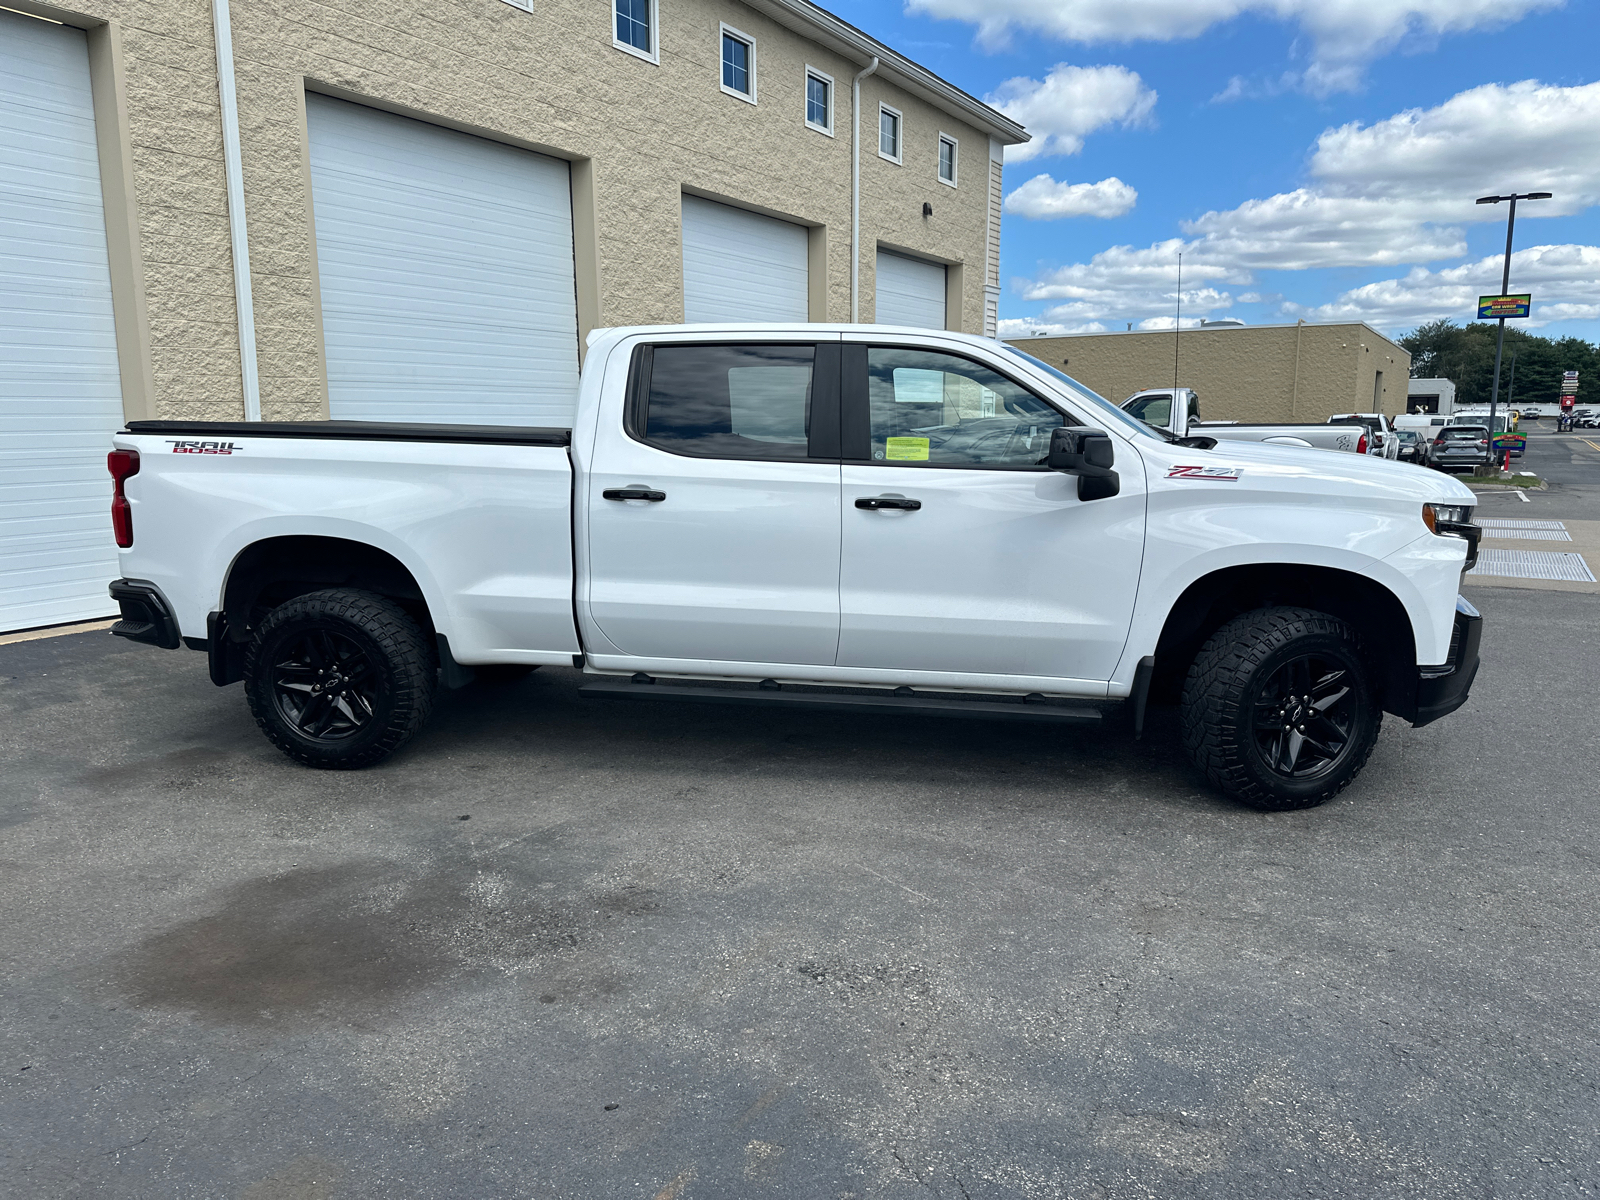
{"x":1070,"y":103}
{"x":1396,"y":192}
{"x":1344,"y":34}
{"x":1027,"y":327}
{"x":1564,"y":280}
{"x":1044,"y":199}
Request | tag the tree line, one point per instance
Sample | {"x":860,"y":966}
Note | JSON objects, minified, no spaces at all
{"x":1464,"y":354}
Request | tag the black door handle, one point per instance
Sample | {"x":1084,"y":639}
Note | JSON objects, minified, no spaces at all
{"x":632,"y":494}
{"x":872,"y":503}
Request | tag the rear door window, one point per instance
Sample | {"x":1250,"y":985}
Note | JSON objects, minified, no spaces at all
{"x":736,"y":401}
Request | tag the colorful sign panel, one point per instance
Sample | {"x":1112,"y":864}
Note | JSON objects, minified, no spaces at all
{"x":1492,"y":307}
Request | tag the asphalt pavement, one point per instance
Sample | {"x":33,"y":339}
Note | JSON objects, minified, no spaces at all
{"x":569,"y":948}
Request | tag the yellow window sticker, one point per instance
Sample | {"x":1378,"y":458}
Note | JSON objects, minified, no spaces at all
{"x":905,"y":449}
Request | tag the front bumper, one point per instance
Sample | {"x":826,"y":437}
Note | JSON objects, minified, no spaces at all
{"x":1443,"y":689}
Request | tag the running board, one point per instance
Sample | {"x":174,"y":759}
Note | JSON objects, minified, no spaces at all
{"x":902,"y":700}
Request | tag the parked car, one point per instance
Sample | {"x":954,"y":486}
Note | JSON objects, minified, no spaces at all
{"x":1155,"y":407}
{"x":1459,"y":446}
{"x":1380,"y":440}
{"x":1410,"y":445}
{"x":868,"y":520}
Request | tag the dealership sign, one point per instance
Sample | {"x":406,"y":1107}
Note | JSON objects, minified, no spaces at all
{"x":1491,"y":307}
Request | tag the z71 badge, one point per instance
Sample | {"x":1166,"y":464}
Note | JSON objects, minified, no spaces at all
{"x":1227,"y":474}
{"x":203,"y":447}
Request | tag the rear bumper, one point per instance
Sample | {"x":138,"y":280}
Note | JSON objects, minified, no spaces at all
{"x":1443,"y":689}
{"x":146,"y":615}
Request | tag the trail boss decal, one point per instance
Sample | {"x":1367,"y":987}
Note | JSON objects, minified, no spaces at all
{"x":1227,"y":474}
{"x":203,"y":447}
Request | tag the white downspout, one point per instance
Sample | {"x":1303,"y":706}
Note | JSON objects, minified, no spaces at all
{"x":855,"y":189}
{"x":233,"y":171}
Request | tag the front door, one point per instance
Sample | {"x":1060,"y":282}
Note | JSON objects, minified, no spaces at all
{"x":713,"y":517}
{"x":961,"y":552}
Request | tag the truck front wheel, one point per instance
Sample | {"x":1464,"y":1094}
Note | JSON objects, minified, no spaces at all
{"x":339,"y":678}
{"x":1278,"y":708}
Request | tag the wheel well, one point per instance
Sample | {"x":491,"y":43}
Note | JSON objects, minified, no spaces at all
{"x":1375,"y":612}
{"x":268,"y":573}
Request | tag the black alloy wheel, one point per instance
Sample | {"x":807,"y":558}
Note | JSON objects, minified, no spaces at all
{"x":1279,"y":709}
{"x":324,"y":684}
{"x":1305,"y":715}
{"x":340,"y":678}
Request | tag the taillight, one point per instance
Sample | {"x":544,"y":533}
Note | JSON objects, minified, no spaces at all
{"x":1483,"y":441}
{"x":122,"y":464}
{"x":1361,"y":444}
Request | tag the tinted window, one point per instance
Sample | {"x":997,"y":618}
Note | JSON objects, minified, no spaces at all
{"x":930,"y":408}
{"x":730,"y":401}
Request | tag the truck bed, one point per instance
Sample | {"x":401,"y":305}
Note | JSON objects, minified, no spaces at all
{"x":479,"y":515}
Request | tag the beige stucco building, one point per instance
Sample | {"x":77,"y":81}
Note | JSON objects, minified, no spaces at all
{"x":436,"y":202}
{"x":1299,"y":372}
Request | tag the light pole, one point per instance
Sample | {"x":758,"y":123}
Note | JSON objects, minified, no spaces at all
{"x":1505,"y":286}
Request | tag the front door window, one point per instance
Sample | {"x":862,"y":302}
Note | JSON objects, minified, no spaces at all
{"x":934,"y":409}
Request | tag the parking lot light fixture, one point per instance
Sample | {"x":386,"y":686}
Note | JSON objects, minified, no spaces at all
{"x":1505,"y":287}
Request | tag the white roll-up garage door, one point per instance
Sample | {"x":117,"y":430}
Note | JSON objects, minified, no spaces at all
{"x":60,"y":394}
{"x":742,"y":266}
{"x":910,"y":292}
{"x":446,"y":270}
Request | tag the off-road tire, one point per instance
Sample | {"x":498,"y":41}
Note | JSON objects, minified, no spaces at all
{"x":1228,"y":677}
{"x":400,"y":676}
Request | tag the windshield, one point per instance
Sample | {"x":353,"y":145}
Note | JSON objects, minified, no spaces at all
{"x":1079,"y":392}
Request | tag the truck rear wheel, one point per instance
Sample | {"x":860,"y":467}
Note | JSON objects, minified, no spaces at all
{"x":339,"y":678}
{"x":1278,"y":709}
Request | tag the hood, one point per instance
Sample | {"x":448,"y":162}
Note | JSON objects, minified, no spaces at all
{"x":1331,"y":472}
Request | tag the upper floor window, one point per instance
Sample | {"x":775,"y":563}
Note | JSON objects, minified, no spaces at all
{"x":947,"y":159}
{"x":635,"y":29}
{"x":819,"y":101}
{"x":889,"y":133}
{"x":738,"y":64}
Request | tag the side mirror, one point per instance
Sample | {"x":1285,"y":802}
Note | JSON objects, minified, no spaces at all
{"x":1088,"y":454}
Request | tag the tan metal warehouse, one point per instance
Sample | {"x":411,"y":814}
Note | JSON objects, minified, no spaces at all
{"x":435,"y":204}
{"x":1298,"y":372}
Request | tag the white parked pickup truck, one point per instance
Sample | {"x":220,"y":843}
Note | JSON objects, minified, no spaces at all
{"x":1155,"y":407}
{"x":862,"y":518}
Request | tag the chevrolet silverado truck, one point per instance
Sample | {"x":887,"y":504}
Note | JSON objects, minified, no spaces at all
{"x":866,"y":519}
{"x":1181,"y":418}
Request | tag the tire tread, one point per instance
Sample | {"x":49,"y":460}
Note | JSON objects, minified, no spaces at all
{"x":1213,"y":730}
{"x":401,"y":642}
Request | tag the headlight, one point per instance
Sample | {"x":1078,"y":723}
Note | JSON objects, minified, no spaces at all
{"x":1437,"y":516}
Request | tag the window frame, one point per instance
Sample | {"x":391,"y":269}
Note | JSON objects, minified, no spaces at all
{"x":899,"y":134}
{"x":955,"y":159}
{"x":654,"y":54}
{"x":823,"y":437}
{"x":827,"y":81}
{"x":728,"y":31}
{"x":855,"y":409}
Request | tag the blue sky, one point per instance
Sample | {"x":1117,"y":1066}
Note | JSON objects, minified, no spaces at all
{"x":1336,"y":145}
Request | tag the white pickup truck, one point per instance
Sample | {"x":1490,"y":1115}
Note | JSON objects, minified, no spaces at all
{"x":1155,"y":407}
{"x":862,"y":518}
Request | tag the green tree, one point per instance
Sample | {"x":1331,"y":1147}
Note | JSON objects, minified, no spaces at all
{"x":1464,"y":354}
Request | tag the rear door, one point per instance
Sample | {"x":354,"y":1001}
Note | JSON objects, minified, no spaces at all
{"x":961,"y":552}
{"x":713,"y":507}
